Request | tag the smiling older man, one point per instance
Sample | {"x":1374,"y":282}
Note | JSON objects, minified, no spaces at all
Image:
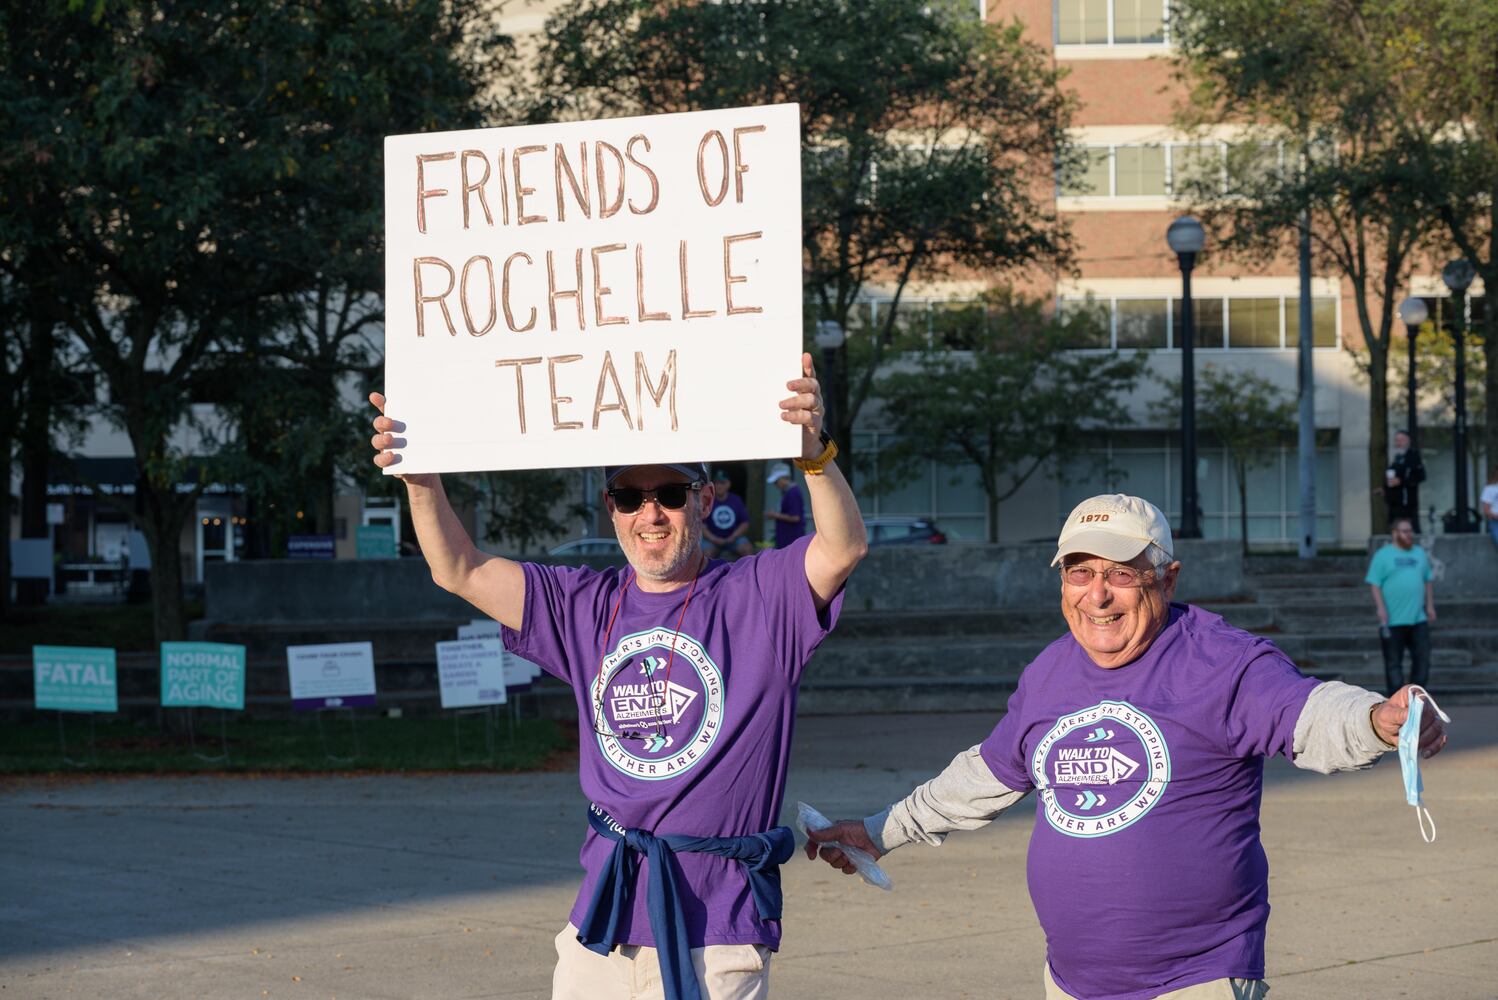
{"x":1144,"y":730}
{"x":685,"y":671}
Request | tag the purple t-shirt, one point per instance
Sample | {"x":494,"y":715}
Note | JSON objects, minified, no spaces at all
{"x":1145,"y":865}
{"x":791,"y":502}
{"x":730,"y":696}
{"x":727,"y":514}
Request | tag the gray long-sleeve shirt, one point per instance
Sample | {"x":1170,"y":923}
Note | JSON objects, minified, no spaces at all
{"x":1334,"y":733}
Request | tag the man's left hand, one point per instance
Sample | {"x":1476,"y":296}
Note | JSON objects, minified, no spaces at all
{"x":806,"y":408}
{"x":1389,"y":715}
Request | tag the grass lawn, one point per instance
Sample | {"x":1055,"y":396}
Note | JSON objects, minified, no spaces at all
{"x":126,"y":627}
{"x":282,"y":745}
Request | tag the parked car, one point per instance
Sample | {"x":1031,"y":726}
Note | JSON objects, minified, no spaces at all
{"x":903,"y":531}
{"x":588,"y":547}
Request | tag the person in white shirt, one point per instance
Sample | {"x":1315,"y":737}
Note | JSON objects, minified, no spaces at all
{"x":1490,"y":503}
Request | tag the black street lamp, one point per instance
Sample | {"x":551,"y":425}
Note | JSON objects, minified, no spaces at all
{"x":1186,"y":237}
{"x":1458,"y":276}
{"x":1413,"y":312}
{"x":830,"y":338}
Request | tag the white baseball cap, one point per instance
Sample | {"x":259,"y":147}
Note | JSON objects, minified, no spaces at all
{"x":781,"y":471}
{"x":1113,"y":526}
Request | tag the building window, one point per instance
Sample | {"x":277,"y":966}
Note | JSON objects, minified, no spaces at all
{"x":1210,"y":319}
{"x":1141,"y":323}
{"x":1323,"y":322}
{"x":1260,"y":322}
{"x":1082,"y":22}
{"x":1110,"y":22}
{"x":1254,"y":322}
{"x":1138,"y":22}
{"x":1095,"y":177}
{"x":1177,"y":169}
{"x":1195,"y":165}
{"x":1140,"y":170}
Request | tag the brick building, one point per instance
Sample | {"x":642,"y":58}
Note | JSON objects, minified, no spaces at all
{"x":1118,"y":59}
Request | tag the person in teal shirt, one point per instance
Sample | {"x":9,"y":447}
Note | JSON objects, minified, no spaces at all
{"x":1399,"y":577}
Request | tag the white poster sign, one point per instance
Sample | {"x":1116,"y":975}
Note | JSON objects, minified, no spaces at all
{"x":519,"y":672}
{"x":589,"y":293}
{"x":471,"y":672}
{"x":331,"y":675}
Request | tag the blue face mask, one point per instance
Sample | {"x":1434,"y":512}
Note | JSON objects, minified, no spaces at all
{"x":1409,"y":757}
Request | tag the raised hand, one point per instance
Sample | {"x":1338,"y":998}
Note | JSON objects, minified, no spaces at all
{"x":806,"y":408}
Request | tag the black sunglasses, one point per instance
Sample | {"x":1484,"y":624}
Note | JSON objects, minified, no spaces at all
{"x":671,"y":496}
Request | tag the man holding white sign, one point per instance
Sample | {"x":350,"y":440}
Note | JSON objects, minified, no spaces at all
{"x":685,"y":669}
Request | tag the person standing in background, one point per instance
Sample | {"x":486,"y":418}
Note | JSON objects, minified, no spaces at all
{"x":790,"y":520}
{"x":725,"y":529}
{"x":1490,"y":504}
{"x":1403,"y":478}
{"x":1399,"y":578}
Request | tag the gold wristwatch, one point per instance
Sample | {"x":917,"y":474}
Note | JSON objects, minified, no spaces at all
{"x":816,"y":466}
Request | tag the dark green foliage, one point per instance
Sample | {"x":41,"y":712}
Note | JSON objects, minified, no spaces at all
{"x":191,"y":186}
{"x":1011,"y":399}
{"x":929,"y":140}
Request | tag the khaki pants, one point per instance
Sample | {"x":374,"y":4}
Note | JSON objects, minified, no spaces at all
{"x":1217,"y":989}
{"x":633,"y":972}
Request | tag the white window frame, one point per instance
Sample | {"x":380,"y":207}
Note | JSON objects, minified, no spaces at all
{"x":1112,"y":18}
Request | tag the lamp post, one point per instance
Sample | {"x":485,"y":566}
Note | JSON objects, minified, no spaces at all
{"x":829,"y":337}
{"x":1458,"y":277}
{"x":1413,"y":312}
{"x":1186,"y":237}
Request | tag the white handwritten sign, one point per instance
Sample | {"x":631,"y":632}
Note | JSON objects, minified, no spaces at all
{"x":588,"y":293}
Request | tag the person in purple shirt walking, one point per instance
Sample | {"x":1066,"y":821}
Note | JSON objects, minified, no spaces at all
{"x":685,"y":671}
{"x":790,"y":519}
{"x":1144,"y":732}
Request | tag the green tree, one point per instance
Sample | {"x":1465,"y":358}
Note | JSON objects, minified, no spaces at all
{"x":521,"y":508}
{"x":1245,"y":413}
{"x":1009,"y":401}
{"x":170,"y":166}
{"x":1322,"y":135}
{"x":930,"y":140}
{"x":1447,"y":89}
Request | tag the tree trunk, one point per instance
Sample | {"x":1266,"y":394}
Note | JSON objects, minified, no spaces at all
{"x":36,"y":451}
{"x":993,"y":515}
{"x":1378,"y":439}
{"x":163,"y":530}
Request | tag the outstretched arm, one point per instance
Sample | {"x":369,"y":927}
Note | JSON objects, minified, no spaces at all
{"x":965,"y":796}
{"x":494,"y":585}
{"x":839,"y":543}
{"x":1346,"y":728}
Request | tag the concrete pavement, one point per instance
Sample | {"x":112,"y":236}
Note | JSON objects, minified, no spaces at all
{"x":454,"y":886}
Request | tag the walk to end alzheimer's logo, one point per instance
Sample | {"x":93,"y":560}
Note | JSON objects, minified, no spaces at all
{"x":1100,"y":770}
{"x":653,"y":722}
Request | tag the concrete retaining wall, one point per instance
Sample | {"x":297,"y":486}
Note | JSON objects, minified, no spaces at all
{"x":892,"y":578}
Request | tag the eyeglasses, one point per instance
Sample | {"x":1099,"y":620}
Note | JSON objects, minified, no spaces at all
{"x":671,"y":496}
{"x":1118,"y":577}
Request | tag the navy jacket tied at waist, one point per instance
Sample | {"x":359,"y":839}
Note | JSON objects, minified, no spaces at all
{"x":760,"y":855}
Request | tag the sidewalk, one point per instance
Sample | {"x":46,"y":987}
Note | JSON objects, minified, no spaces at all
{"x":453,"y":887}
